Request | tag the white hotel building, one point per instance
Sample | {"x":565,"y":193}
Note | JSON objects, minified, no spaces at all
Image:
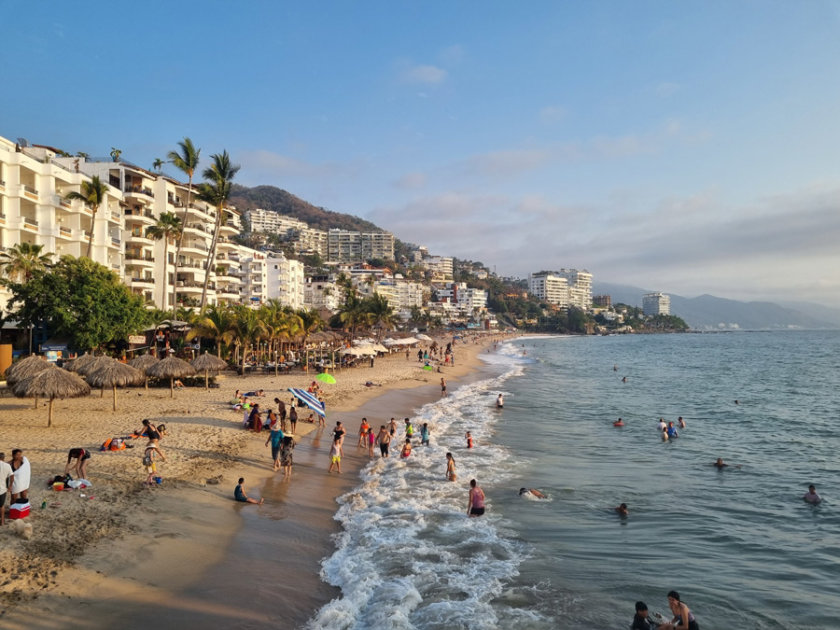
{"x":656,"y":304}
{"x":563,"y":288}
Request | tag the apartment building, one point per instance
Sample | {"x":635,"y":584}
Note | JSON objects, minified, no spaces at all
{"x":440,"y":267}
{"x":322,"y":292}
{"x":466,"y":299}
{"x":285,"y":280}
{"x":563,"y":288}
{"x":347,"y":246}
{"x":254,"y":277}
{"x":656,"y":304}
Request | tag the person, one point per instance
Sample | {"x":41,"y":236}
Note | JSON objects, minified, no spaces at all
{"x":406,"y":449}
{"x":662,"y":425}
{"x":622,"y":510}
{"x":258,"y":393}
{"x":811,"y":496}
{"x":151,"y":453}
{"x":681,"y":422}
{"x":161,"y":429}
{"x":392,"y":427}
{"x":615,"y":368}
{"x":178,"y":383}
{"x":443,"y":384}
{"x":293,"y":416}
{"x":240,"y":495}
{"x":618,"y":423}
{"x":409,"y":429}
{"x":624,"y":380}
{"x":469,"y":439}
{"x":720,"y":464}
{"x":384,"y":439}
{"x":500,"y":402}
{"x":286,"y":459}
{"x":641,"y":620}
{"x":419,"y":356}
{"x":255,"y":419}
{"x":532,"y":491}
{"x":281,"y":412}
{"x":79,"y":467}
{"x":363,"y":429}
{"x":335,"y":455}
{"x":22,"y":472}
{"x":450,"y":468}
{"x":475,"y":505}
{"x":683,"y":617}
{"x":6,"y":478}
{"x":424,"y":434}
{"x":275,"y":438}
{"x":148,"y":430}
{"x":672,"y":430}
{"x":665,"y":435}
{"x":272,"y":423}
{"x":371,"y":440}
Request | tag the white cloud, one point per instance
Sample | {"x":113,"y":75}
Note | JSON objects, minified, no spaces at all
{"x":411,"y":181}
{"x":423,"y":74}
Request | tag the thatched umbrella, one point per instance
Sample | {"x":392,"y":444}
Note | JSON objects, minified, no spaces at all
{"x":113,"y":374}
{"x":89,"y":367}
{"x":171,"y":368}
{"x":79,"y":362}
{"x":52,"y":383}
{"x":142,"y":363}
{"x":208,"y":363}
{"x":24,"y":368}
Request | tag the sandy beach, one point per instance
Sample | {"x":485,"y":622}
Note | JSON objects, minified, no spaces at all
{"x":175,"y":554}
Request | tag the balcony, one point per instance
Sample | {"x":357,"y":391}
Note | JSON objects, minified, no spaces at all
{"x":140,"y":258}
{"x":145,"y":216}
{"x":30,"y":192}
{"x":139,"y":239}
{"x":65,"y":232}
{"x":139,"y":191}
{"x":29,"y":224}
{"x":143,"y":282}
{"x":115,"y":241}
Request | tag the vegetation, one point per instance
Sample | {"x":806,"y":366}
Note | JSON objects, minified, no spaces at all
{"x":21,"y":261}
{"x":79,"y":300}
{"x":185,"y":161}
{"x":168,"y":227}
{"x":92,"y":195}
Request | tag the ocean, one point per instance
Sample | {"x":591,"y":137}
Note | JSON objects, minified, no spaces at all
{"x":739,"y":544}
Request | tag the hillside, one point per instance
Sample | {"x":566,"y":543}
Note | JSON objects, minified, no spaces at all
{"x":707,"y":312}
{"x":282,"y":202}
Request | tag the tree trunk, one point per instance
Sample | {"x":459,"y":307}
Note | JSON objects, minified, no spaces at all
{"x":212,"y":255}
{"x":92,"y":228}
{"x":115,"y":397}
{"x":49,"y":416}
{"x":178,"y":250}
{"x":165,"y":275}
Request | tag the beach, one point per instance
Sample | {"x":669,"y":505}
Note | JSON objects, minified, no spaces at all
{"x":175,"y":554}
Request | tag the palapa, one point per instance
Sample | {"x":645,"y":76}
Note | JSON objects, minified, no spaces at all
{"x":142,"y":363}
{"x":24,"y":368}
{"x":208,"y":363}
{"x":114,"y":374}
{"x":79,"y":362}
{"x":52,"y":383}
{"x":171,"y":368}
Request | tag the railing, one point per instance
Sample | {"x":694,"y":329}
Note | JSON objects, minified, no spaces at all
{"x":30,"y":190}
{"x":65,"y":230}
{"x":29,"y":221}
{"x":139,"y":189}
{"x":65,"y":203}
{"x":132,"y":256}
{"x":145,"y":280}
{"x":115,"y":241}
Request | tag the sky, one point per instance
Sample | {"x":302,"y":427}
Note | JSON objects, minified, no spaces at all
{"x":687,"y":147}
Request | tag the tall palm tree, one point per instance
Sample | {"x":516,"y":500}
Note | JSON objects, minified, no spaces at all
{"x":186,"y":161}
{"x":216,"y":191}
{"x":92,"y":195}
{"x":115,"y":154}
{"x":216,"y":322}
{"x":157,"y":164}
{"x":380,"y":313}
{"x":21,"y":261}
{"x":168,"y":227}
{"x":310,"y":322}
{"x":247,"y":329}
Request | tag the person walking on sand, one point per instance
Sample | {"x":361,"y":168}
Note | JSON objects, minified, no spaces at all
{"x":150,"y":455}
{"x":450,"y":468}
{"x":275,"y":438}
{"x":281,"y":413}
{"x":293,"y":417}
{"x":79,"y":467}
{"x":286,"y":459}
{"x":475,"y":505}
{"x":443,"y":386}
{"x":384,"y":439}
{"x":240,"y":495}
{"x":335,"y":456}
{"x":363,"y":429}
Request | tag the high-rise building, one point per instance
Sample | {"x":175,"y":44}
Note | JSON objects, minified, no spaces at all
{"x":563,"y":288}
{"x":285,"y":280}
{"x":347,"y":246}
{"x":656,"y":304}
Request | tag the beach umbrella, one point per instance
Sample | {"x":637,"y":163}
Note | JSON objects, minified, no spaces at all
{"x":423,"y":337}
{"x":24,"y":368}
{"x":112,"y":374}
{"x":208,"y":363}
{"x":92,"y":365}
{"x":171,"y":368}
{"x":142,"y":363}
{"x":52,"y":383}
{"x":309,"y":400}
{"x":428,"y":368}
{"x":79,"y":362}
{"x":326,"y":378}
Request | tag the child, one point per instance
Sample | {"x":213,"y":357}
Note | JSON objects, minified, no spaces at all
{"x":406,"y":450}
{"x":469,"y":439}
{"x":424,"y":434}
{"x":239,"y":494}
{"x":335,"y":456}
{"x":371,"y":438}
{"x":151,"y":453}
{"x":363,"y":430}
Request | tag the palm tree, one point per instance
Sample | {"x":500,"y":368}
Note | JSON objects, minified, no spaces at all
{"x":168,"y":226}
{"x":216,"y":191}
{"x":215,"y":322}
{"x":115,"y":154}
{"x":247,"y":329}
{"x":157,"y":164}
{"x":93,"y":194}
{"x":310,"y":322}
{"x":380,"y":313}
{"x":186,"y":161}
{"x":21,"y":261}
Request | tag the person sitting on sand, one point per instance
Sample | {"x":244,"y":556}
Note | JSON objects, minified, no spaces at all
{"x":406,"y":449}
{"x":236,"y":397}
{"x":531,"y":491}
{"x":811,"y":496}
{"x":240,"y":495}
{"x":178,"y":383}
{"x":622,"y":510}
{"x":79,"y":467}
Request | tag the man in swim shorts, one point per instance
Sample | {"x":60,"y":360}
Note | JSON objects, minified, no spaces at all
{"x":384,"y":439}
{"x":475,"y":505}
{"x":811,"y":496}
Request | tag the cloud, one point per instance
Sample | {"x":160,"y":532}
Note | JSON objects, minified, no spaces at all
{"x":506,"y":162}
{"x":411,"y":181}
{"x":423,"y":74}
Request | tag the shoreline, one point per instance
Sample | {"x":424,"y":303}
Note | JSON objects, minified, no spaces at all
{"x":169,"y":560}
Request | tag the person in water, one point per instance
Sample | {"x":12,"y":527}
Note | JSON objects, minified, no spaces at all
{"x":618,"y":423}
{"x":450,"y":468}
{"x":641,"y":620}
{"x":469,"y":439}
{"x":662,"y":425}
{"x":406,"y":449}
{"x":720,"y":464}
{"x":683,"y":617}
{"x":811,"y":496}
{"x":622,"y":510}
{"x":500,"y":402}
{"x":475,"y":505}
{"x":681,"y":422}
{"x":672,"y":430}
{"x":532,"y":491}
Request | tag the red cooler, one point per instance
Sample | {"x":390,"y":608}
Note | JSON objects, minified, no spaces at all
{"x":19,"y":510}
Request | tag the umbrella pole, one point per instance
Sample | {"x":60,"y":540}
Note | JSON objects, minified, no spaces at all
{"x":115,"y":397}
{"x":102,"y":392}
{"x":146,"y":382}
{"x":206,"y":380}
{"x":35,"y":406}
{"x":172,"y":387}
{"x":49,"y":416}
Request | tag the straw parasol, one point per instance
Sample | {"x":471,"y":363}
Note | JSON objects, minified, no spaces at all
{"x":143,"y":363}
{"x":79,"y":362}
{"x":208,"y":363}
{"x":171,"y":368}
{"x":24,"y":368}
{"x":52,"y":383}
{"x":112,"y":374}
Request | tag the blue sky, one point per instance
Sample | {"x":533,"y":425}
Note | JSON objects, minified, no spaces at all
{"x":690,"y":147}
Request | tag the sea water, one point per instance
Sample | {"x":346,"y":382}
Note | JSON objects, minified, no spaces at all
{"x":739,"y":544}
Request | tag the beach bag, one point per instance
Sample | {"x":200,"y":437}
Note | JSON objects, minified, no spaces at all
{"x":147,"y":460}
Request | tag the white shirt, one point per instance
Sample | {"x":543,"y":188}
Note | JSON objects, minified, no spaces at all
{"x":5,"y":471}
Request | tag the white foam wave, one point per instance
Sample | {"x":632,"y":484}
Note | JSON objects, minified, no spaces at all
{"x":408,"y":556}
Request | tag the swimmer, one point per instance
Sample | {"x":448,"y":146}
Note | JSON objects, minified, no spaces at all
{"x":469,"y":439}
{"x":622,"y":510}
{"x":737,"y":403}
{"x":450,"y":468}
{"x":618,"y":423}
{"x":681,"y":422}
{"x":812,"y":496}
{"x":720,"y":464}
{"x":532,"y":491}
{"x":662,"y":425}
{"x":624,"y":380}
{"x":500,"y":402}
{"x":665,"y":435}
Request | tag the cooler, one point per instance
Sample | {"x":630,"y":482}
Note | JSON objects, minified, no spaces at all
{"x":19,"y":510}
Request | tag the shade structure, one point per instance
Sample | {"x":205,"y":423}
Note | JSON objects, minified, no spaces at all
{"x":423,"y":337}
{"x":88,"y":367}
{"x":114,"y":374}
{"x":25,"y":368}
{"x":326,"y":378}
{"x":171,"y":368}
{"x":208,"y":363}
{"x":309,"y":400}
{"x":142,"y":363}
{"x":79,"y":362}
{"x":52,"y":383}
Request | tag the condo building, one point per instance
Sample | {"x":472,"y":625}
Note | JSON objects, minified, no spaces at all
{"x":347,"y":246}
{"x":656,"y":304}
{"x":563,"y":288}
